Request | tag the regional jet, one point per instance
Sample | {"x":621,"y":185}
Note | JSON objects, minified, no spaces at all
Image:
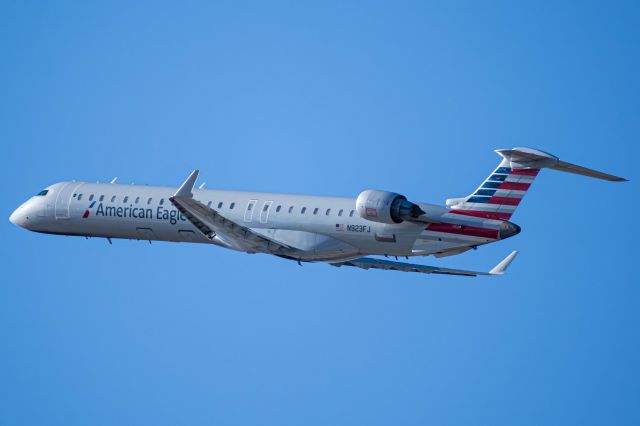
{"x":333,"y":230}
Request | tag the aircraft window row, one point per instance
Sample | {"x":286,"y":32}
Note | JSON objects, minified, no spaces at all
{"x":220,"y":204}
{"x":303,"y":210}
{"x":114,"y":197}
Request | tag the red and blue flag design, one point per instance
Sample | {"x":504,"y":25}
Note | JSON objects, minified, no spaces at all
{"x":87,"y":211}
{"x":499,"y":195}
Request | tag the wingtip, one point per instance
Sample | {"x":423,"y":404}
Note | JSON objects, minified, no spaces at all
{"x":186,"y":188}
{"x":501,"y":267}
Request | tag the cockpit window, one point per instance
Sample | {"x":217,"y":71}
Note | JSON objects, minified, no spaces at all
{"x":42,"y":193}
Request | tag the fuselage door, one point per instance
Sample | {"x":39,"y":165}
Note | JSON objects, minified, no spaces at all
{"x":248,"y":213}
{"x":63,"y":199}
{"x":264,"y":213}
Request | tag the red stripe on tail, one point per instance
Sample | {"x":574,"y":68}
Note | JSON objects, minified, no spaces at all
{"x":515,"y":186}
{"x":525,"y":172}
{"x":486,"y":215}
{"x":472,"y":231}
{"x":504,"y":201}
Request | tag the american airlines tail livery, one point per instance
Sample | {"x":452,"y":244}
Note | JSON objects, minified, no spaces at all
{"x":338,"y":231}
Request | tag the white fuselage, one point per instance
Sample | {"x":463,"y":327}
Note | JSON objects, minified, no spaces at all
{"x":320,"y":228}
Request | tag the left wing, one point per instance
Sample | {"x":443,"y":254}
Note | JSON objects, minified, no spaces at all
{"x":211,"y":223}
{"x":372,"y":263}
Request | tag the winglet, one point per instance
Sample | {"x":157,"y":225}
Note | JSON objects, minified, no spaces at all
{"x":502,"y":266}
{"x":186,"y":188}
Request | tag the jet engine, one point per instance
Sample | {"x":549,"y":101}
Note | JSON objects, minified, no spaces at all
{"x":386,"y":207}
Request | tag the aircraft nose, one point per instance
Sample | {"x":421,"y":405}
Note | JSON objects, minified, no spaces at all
{"x":19,"y":217}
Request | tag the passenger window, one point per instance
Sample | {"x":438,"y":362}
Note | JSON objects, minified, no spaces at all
{"x":315,"y":211}
{"x":220,"y":205}
{"x":209,"y":204}
{"x":149,"y":200}
{"x":278,"y":209}
{"x":304,"y":209}
{"x":102,"y":198}
{"x":91,"y":197}
{"x":265,"y":207}
{"x":161,"y":201}
{"x":231,"y":206}
{"x":125,"y":199}
{"x":328,"y":212}
{"x":290,"y":209}
{"x":113,"y":199}
{"x":79,"y":197}
{"x":137,"y":200}
{"x":340,"y":212}
{"x":351,"y":213}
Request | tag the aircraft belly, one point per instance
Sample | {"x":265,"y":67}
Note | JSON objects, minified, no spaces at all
{"x":311,"y":245}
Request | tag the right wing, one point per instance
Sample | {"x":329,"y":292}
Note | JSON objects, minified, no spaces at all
{"x":373,"y":263}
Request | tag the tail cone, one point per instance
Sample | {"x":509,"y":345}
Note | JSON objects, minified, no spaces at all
{"x":508,"y":229}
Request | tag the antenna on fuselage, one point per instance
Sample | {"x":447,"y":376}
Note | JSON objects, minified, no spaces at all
{"x":114,"y":180}
{"x":202,"y":185}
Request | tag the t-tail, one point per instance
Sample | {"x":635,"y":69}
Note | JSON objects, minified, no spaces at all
{"x":500,"y":194}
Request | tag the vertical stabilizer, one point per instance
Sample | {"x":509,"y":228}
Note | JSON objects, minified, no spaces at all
{"x":500,"y":193}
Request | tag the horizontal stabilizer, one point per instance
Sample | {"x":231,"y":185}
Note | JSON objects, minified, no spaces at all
{"x":373,"y":263}
{"x":536,"y":159}
{"x":584,"y":171}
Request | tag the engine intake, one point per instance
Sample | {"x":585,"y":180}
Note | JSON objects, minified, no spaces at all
{"x":386,"y":207}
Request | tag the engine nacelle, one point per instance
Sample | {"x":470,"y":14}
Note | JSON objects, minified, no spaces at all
{"x":386,"y":207}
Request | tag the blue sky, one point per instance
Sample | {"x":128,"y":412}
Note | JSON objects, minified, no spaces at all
{"x":321,"y":98}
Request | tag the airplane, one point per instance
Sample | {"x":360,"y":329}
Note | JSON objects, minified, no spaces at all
{"x":334,"y":230}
